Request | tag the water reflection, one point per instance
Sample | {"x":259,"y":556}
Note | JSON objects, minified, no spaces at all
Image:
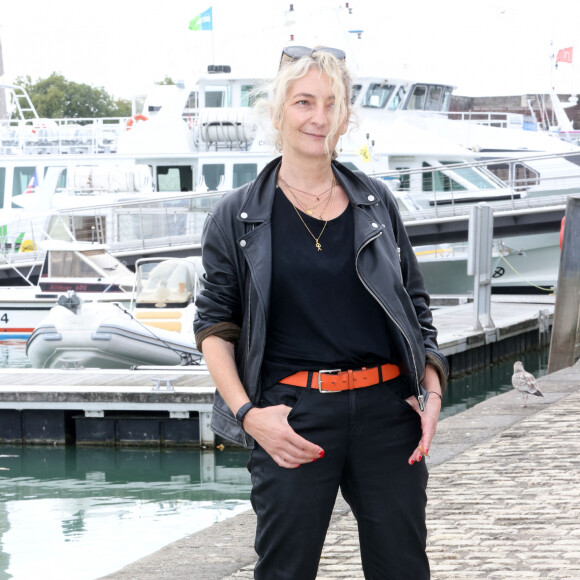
{"x":13,"y":354}
{"x":79,"y":507}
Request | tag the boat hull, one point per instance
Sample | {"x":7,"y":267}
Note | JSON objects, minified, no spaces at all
{"x":22,"y":310}
{"x":531,"y":265}
{"x":105,"y":336}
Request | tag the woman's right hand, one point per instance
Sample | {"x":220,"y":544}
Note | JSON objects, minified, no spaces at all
{"x":270,"y":428}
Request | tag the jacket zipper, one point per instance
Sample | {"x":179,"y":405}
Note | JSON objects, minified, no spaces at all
{"x":420,"y":397}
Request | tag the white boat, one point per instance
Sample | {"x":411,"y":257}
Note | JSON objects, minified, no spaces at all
{"x":84,"y":268}
{"x":156,"y":329}
{"x":199,"y":139}
{"x":530,"y":265}
{"x":408,"y":146}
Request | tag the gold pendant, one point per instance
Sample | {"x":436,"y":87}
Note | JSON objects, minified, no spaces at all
{"x":318,"y":246}
{"x":309,"y":211}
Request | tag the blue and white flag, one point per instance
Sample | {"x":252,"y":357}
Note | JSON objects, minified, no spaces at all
{"x":203,"y":21}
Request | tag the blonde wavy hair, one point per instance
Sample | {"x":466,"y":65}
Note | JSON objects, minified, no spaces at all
{"x":294,"y":69}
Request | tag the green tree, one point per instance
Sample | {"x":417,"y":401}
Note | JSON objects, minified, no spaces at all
{"x":166,"y":81}
{"x":55,"y":97}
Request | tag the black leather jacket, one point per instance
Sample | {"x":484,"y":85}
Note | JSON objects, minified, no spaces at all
{"x":237,"y":257}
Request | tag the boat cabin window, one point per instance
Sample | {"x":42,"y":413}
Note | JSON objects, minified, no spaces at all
{"x":213,"y":175}
{"x":106,"y":262}
{"x":473,"y":175}
{"x":439,"y":181}
{"x":23,"y":177}
{"x":244,"y":173}
{"x":377,"y":95}
{"x":69,"y":265}
{"x":404,"y":179}
{"x":395,"y":102}
{"x":445,"y":99}
{"x":217,"y":96}
{"x":355,"y":93}
{"x":417,"y":98}
{"x":61,"y":182}
{"x":178,"y":178}
{"x":433,"y":98}
{"x":192,"y":100}
{"x":250,"y":95}
{"x":429,"y":98}
{"x":438,"y":98}
{"x":520,"y":177}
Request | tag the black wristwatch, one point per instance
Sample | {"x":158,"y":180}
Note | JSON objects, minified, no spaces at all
{"x":243,"y":410}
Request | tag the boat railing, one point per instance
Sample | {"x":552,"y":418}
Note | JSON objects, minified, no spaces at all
{"x":508,"y":180}
{"x":502,"y":120}
{"x":162,"y":222}
{"x":528,"y":203}
{"x":61,"y":136}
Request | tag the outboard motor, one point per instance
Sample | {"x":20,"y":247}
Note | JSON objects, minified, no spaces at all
{"x":70,"y":300}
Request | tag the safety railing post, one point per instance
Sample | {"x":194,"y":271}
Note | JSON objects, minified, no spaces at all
{"x":480,"y":241}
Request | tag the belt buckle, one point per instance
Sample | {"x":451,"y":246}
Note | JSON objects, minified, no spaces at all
{"x":327,"y":372}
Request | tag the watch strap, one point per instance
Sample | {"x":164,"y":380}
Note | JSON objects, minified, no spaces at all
{"x":243,"y":410}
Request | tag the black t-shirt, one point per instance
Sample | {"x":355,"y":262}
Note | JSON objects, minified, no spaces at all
{"x":321,"y":316}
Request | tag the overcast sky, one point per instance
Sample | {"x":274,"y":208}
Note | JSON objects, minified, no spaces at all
{"x":484,"y":47}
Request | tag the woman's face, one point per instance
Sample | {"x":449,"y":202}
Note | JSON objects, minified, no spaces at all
{"x":306,"y":123}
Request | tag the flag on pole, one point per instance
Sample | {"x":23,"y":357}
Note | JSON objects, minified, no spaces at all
{"x":565,"y":55}
{"x":203,"y":21}
{"x":33,"y":184}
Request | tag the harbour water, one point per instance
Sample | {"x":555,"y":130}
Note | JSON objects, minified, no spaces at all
{"x":86,"y":512}
{"x":80,"y":513}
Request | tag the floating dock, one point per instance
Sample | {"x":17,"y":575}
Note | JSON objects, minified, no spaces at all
{"x":171,"y":407}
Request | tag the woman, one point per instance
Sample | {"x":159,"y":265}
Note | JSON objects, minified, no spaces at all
{"x":315,"y":326}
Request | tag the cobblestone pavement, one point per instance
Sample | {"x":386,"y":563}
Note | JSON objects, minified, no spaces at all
{"x":504,"y":502}
{"x":506,"y":508}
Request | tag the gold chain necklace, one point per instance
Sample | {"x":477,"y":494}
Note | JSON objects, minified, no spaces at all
{"x":316,"y":239}
{"x":307,"y":209}
{"x":316,"y":195}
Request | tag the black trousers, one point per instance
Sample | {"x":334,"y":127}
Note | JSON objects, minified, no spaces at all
{"x":368,"y":435}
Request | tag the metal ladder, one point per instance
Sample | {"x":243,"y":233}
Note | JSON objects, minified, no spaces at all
{"x":21,"y":100}
{"x":99,"y":230}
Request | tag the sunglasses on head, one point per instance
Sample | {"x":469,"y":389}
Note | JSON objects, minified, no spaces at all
{"x":296,"y":52}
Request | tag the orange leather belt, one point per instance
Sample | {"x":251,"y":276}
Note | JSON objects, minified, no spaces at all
{"x":335,"y":380}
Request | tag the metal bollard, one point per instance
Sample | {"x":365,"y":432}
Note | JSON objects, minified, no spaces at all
{"x":479,"y":246}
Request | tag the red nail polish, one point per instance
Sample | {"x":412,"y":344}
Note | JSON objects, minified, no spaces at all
{"x":321,"y":454}
{"x":412,"y":461}
{"x":419,"y":458}
{"x":426,"y":451}
{"x":315,"y":459}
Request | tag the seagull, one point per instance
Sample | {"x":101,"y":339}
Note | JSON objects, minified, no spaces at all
{"x":524,"y":382}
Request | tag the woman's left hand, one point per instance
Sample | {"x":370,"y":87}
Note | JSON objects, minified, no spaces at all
{"x":429,"y":416}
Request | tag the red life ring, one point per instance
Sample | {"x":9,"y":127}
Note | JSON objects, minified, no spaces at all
{"x":562,"y":231}
{"x":134,"y":119}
